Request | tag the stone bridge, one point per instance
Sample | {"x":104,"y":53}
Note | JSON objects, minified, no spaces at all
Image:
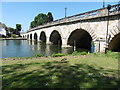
{"x":100,"y":28}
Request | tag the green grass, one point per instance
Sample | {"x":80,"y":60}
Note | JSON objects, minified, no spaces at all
{"x":38,"y":55}
{"x":84,"y":71}
{"x":78,"y":53}
{"x":57,"y":55}
{"x":13,"y":36}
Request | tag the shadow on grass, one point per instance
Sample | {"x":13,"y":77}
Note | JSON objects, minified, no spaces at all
{"x":57,"y":74}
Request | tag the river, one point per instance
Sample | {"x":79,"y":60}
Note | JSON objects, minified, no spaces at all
{"x":25,"y":48}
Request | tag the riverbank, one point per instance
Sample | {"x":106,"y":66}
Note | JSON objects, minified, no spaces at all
{"x":19,"y":38}
{"x":78,"y":71}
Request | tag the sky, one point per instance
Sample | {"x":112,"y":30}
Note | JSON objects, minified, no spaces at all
{"x":24,"y":12}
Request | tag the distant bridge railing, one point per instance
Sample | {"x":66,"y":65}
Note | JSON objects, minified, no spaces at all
{"x":87,"y":15}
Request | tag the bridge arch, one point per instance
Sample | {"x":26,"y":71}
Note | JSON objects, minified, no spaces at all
{"x":55,"y":37}
{"x":114,"y":44}
{"x":86,"y":27}
{"x":30,"y":36}
{"x":80,"y":38}
{"x":42,"y":37}
{"x":35,"y":36}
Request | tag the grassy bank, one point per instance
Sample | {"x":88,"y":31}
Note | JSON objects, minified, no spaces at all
{"x":71,"y":71}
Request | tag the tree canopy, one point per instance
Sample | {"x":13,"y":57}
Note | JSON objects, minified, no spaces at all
{"x":41,"y":19}
{"x":18,"y":27}
{"x":2,"y":25}
{"x":50,"y":17}
{"x":10,"y":29}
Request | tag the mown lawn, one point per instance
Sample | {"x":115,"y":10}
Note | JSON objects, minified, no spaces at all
{"x":84,"y":71}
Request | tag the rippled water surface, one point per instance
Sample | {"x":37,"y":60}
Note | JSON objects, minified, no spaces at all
{"x":25,"y":48}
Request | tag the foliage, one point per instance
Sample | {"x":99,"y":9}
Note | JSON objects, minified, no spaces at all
{"x":112,"y":54}
{"x":58,"y":55}
{"x":76,"y":53}
{"x":38,"y":55}
{"x":13,"y":36}
{"x":2,"y":25}
{"x":108,"y":54}
{"x":33,"y":24}
{"x":18,"y":27}
{"x":41,"y":19}
{"x":50,"y":17}
{"x":11,"y":29}
{"x":83,"y":53}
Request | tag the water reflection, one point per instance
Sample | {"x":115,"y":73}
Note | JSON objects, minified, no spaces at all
{"x":17,"y":48}
{"x":47,"y":50}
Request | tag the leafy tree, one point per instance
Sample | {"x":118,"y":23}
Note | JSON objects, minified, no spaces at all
{"x":18,"y":27}
{"x":35,"y":22}
{"x":2,"y":25}
{"x":11,"y":29}
{"x":50,"y":17}
{"x":41,"y":19}
{"x":32,"y":24}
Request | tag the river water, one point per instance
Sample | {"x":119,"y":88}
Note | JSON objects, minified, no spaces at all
{"x":25,"y":48}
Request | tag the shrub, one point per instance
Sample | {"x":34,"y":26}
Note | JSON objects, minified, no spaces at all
{"x":75,"y":53}
{"x":108,"y":54}
{"x":79,"y":53}
{"x":13,"y":36}
{"x":83,"y":53}
{"x":38,"y":55}
{"x":112,"y":54}
{"x":58,"y":55}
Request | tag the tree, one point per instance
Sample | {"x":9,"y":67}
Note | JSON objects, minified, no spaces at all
{"x":50,"y":17}
{"x":41,"y":19}
{"x":2,"y":25}
{"x":32,"y":24}
{"x":11,"y":29}
{"x":18,"y":27}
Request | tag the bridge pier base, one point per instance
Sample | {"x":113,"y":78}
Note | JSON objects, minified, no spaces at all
{"x":65,"y":46}
{"x":28,"y":39}
{"x":39,"y":41}
{"x":64,"y":43}
{"x":48,"y":41}
{"x":100,"y":46}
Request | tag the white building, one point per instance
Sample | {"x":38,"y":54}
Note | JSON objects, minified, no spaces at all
{"x":2,"y":32}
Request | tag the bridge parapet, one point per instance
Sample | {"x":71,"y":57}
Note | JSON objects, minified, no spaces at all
{"x":103,"y":12}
